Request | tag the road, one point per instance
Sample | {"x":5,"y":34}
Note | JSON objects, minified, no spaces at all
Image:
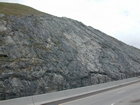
{"x":109,"y":97}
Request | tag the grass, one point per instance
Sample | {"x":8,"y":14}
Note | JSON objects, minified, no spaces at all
{"x":18,"y":10}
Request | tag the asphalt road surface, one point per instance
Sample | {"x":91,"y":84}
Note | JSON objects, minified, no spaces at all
{"x":132,"y":100}
{"x":109,"y":97}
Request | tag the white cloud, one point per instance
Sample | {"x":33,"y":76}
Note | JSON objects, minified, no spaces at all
{"x":119,"y":18}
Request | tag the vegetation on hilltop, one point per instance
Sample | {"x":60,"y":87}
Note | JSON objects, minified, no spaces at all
{"x":17,"y":9}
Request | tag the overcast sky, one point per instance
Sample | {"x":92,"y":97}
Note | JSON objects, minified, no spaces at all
{"x":117,"y":18}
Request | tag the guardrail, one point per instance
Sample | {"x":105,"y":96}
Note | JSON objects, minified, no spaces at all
{"x":55,"y":96}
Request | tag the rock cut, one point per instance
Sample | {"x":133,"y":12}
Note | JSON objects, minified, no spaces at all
{"x":41,"y":53}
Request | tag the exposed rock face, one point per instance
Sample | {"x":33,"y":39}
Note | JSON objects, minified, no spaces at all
{"x":40,"y":54}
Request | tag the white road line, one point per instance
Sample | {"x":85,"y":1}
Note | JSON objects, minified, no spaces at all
{"x":112,"y":103}
{"x":120,"y":91}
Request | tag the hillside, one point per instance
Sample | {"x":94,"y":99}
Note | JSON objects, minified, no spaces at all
{"x":43,"y":53}
{"x":18,"y":10}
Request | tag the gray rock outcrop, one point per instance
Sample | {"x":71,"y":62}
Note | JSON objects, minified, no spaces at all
{"x":40,"y":54}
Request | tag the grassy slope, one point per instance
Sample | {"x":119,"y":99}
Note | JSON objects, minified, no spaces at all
{"x":17,"y":9}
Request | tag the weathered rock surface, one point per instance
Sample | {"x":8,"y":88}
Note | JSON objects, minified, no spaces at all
{"x":40,"y":54}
